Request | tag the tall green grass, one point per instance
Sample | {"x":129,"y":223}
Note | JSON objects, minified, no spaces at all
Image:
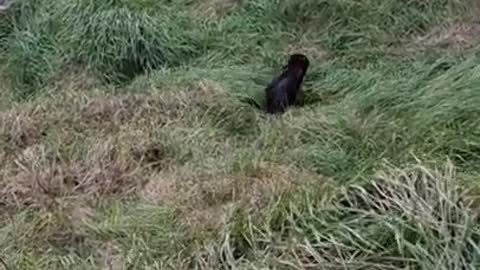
{"x":122,"y":39}
{"x":409,"y":218}
{"x":118,"y":42}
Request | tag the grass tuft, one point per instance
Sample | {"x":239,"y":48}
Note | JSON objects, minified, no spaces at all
{"x":414,"y":218}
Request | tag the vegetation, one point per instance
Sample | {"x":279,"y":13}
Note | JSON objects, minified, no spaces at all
{"x":126,"y":141}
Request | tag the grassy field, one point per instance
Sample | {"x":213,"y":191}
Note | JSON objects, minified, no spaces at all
{"x":126,"y":141}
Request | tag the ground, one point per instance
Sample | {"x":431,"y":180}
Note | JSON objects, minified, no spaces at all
{"x":126,"y":141}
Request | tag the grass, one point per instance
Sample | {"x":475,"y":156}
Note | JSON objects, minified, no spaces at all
{"x":126,"y":141}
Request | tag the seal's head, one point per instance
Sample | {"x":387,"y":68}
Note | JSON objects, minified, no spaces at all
{"x":299,"y":63}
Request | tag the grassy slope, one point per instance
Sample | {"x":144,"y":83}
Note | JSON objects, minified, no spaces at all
{"x":105,"y":165}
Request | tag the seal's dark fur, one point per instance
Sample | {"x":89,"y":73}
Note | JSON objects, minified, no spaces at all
{"x":284,"y":90}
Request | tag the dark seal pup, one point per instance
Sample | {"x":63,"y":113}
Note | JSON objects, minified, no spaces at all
{"x":283,"y":90}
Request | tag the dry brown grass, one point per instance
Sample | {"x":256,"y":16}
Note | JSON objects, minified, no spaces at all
{"x":207,"y":200}
{"x":67,"y":151}
{"x":88,"y":145}
{"x":460,"y":35}
{"x":38,"y":181}
{"x":74,"y":78}
{"x":83,"y":143}
{"x":215,"y":9}
{"x":19,"y":130}
{"x":111,"y":257}
{"x":4,"y":91}
{"x":457,"y":35}
{"x":305,"y":46}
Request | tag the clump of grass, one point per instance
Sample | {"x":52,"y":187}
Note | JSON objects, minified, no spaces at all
{"x":122,"y":43}
{"x":122,"y":39}
{"x":32,"y":60}
{"x":5,"y":27}
{"x":117,"y":42}
{"x":31,"y":52}
{"x":360,"y":32}
{"x":409,"y":218}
